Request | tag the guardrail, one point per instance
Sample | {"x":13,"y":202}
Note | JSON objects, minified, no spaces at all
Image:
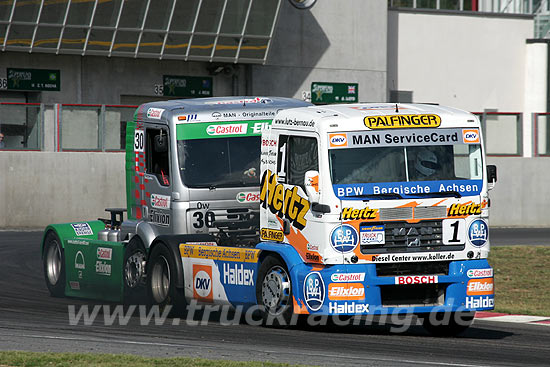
{"x":502,"y":133}
{"x":22,"y":126}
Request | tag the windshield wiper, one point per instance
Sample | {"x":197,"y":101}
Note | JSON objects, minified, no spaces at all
{"x":389,"y":195}
{"x":442,"y":194}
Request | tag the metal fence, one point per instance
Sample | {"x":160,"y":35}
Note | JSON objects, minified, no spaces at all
{"x":502,"y":132}
{"x":21,"y":125}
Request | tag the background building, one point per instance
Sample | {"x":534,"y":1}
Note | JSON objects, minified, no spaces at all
{"x":72,"y":72}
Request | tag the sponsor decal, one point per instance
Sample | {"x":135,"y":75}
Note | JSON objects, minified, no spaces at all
{"x":272,"y":235}
{"x":104,"y":253}
{"x":363,"y":214}
{"x":294,"y":122}
{"x":216,"y":115}
{"x":154,"y":113}
{"x":313,"y":257}
{"x":312,"y":247}
{"x":160,"y":201}
{"x":242,"y":101}
{"x":402,"y":137}
{"x":337,"y":140}
{"x":78,"y":242}
{"x":459,"y":210}
{"x":79,"y":261}
{"x":470,"y":136}
{"x":402,"y":121}
{"x":159,"y":218}
{"x":416,"y":279}
{"x":480,"y":273}
{"x":314,"y":291}
{"x":480,"y":302}
{"x":219,"y":253}
{"x":351,"y":89}
{"x":102,"y":268}
{"x":237,"y":275}
{"x":347,"y":308}
{"x":356,"y":191}
{"x":189,"y":117}
{"x":480,"y":287}
{"x":82,"y":229}
{"x":74,"y":285}
{"x":372,"y":235}
{"x":478,"y":233}
{"x":269,"y":143}
{"x":346,"y":291}
{"x":386,"y":258}
{"x":285,"y":203}
{"x":344,"y":238}
{"x":347,"y":277}
{"x":202,"y":282}
{"x":248,"y":197}
{"x":227,"y":129}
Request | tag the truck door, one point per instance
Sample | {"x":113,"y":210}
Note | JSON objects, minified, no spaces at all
{"x":157,"y":180}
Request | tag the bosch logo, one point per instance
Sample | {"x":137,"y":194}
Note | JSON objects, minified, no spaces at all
{"x":344,"y":238}
{"x":478,"y":233}
{"x":314,"y":291}
{"x":338,"y":140}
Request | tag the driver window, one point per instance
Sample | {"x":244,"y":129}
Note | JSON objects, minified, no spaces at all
{"x":300,"y":156}
{"x":157,"y":160}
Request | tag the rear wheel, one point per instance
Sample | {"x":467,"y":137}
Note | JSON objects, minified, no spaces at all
{"x":134,"y":272}
{"x":448,"y":324}
{"x":54,"y":265}
{"x":274,"y":292}
{"x":161,"y":281}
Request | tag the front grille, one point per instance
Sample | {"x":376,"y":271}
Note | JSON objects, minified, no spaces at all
{"x":396,"y":213}
{"x":234,"y":227}
{"x":425,"y":212}
{"x":422,"y":268}
{"x":400,"y":236}
{"x":412,"y":295}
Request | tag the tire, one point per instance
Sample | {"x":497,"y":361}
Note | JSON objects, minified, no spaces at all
{"x":274,"y":292}
{"x":161,"y":282}
{"x":435,"y":323}
{"x":135,"y":287}
{"x":54,"y":265}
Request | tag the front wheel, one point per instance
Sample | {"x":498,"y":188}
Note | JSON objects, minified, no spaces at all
{"x":274,"y":292}
{"x":448,"y":324}
{"x":134,"y":272}
{"x":161,"y":281}
{"x":54,"y":265}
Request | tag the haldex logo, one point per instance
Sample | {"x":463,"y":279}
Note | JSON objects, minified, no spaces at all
{"x":344,"y":238}
{"x":314,"y":291}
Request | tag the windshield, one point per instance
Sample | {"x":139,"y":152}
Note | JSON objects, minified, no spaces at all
{"x":406,"y":164}
{"x":220,"y":162}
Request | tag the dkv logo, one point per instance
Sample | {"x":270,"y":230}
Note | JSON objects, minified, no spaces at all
{"x":202,"y":282}
{"x":338,"y":140}
{"x":470,"y":136}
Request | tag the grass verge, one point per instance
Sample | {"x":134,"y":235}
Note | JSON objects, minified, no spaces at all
{"x":521,"y":279}
{"x":29,"y":359}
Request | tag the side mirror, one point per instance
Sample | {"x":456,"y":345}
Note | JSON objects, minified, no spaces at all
{"x":161,"y":143}
{"x":491,"y":176}
{"x":311,"y":182}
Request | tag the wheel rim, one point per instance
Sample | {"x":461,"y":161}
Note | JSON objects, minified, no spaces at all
{"x":53,"y":263}
{"x":160,"y":280}
{"x":276,"y":290}
{"x":133,"y":269}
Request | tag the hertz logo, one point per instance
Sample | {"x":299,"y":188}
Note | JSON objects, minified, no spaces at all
{"x":350,"y":213}
{"x":458,"y":210}
{"x":402,"y":121}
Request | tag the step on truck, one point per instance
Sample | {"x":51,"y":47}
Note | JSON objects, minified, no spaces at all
{"x":361,"y":210}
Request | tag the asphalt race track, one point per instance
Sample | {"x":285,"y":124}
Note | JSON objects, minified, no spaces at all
{"x":32,"y":320}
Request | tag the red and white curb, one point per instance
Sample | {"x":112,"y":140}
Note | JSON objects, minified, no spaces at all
{"x":504,"y":317}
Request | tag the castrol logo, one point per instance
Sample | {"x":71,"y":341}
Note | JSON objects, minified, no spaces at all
{"x":338,"y":140}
